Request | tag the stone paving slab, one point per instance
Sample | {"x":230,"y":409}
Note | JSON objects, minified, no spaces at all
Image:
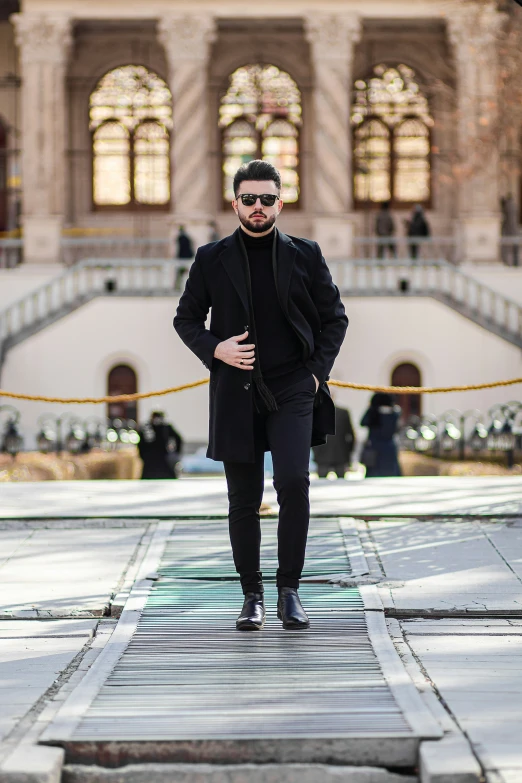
{"x":410,"y":496}
{"x":11,"y":540}
{"x":28,"y":668}
{"x":46,"y":629}
{"x":480,"y":680}
{"x":447,"y":567}
{"x":493,"y":626}
{"x":232,"y":773}
{"x":65,"y":572}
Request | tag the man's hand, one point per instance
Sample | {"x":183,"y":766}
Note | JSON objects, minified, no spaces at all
{"x":240,"y":356}
{"x":316,"y":383}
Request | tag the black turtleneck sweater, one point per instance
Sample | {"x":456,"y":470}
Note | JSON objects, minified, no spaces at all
{"x":278,"y":348}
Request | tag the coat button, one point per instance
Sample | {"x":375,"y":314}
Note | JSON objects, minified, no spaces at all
{"x":246,"y":386}
{"x":246,"y":327}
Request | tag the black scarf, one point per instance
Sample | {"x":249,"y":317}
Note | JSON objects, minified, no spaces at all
{"x":260,"y":387}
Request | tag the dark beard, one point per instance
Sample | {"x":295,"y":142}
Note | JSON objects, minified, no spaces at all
{"x":258,"y":228}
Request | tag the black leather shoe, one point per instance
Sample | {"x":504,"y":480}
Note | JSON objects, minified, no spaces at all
{"x":290,"y":610}
{"x":252,"y":617}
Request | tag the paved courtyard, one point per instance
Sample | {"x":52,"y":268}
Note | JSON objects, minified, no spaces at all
{"x":415,"y":592}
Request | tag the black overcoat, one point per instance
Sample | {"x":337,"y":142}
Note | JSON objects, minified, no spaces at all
{"x":312,"y":305}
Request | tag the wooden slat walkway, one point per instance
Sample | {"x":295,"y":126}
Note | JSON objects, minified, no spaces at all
{"x":189,"y":687}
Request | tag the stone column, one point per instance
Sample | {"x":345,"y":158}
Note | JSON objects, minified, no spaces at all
{"x":474,"y":29}
{"x":186,"y":39}
{"x":332,"y":38}
{"x":44,"y":41}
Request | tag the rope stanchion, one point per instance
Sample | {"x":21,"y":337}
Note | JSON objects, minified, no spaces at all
{"x":204,"y":381}
{"x":100,"y":400}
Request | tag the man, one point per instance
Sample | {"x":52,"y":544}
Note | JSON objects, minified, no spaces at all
{"x":385,"y":230}
{"x":276,"y":328}
{"x":336,"y":454}
{"x":184,"y":248}
{"x":417,"y":226}
{"x":160,"y":448}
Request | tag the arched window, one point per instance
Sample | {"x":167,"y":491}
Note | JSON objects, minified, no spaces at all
{"x":130,"y":119}
{"x":408,"y":374}
{"x":391,"y":139}
{"x":122,"y":380}
{"x":260,"y":117}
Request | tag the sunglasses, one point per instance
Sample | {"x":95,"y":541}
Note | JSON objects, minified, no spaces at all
{"x":266,"y":199}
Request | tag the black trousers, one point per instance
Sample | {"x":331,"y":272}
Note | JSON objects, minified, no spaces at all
{"x":287,"y":433}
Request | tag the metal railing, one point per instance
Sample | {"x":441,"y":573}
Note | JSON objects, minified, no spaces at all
{"x":85,"y":281}
{"x":440,"y":280}
{"x":407,"y":248}
{"x":389,"y":249}
{"x":163,"y":277}
{"x":11,"y":253}
{"x":76,"y":249}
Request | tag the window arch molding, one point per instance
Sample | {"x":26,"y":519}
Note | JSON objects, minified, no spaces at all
{"x":399,"y":170}
{"x":130,"y":122}
{"x":260,"y":110}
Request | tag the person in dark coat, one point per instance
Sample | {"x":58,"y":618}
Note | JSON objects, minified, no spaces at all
{"x":379,"y":453}
{"x":184,"y":246}
{"x":160,"y":448}
{"x":276,"y":327}
{"x":385,"y":230}
{"x":336,"y":454}
{"x":417,"y":227}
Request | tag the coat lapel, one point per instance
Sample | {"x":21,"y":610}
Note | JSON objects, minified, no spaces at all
{"x":232,"y":260}
{"x":286,"y":253}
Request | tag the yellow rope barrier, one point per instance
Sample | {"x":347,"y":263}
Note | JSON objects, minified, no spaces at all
{"x":203,"y":381}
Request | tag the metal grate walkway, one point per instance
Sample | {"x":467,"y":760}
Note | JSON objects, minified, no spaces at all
{"x":201,"y":550}
{"x":183,"y":685}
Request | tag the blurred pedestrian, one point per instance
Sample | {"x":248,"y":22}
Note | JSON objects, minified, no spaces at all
{"x":385,"y":230}
{"x":184,"y":245}
{"x":379,"y":453}
{"x":336,"y":454}
{"x":417,"y":226}
{"x":214,"y":233}
{"x":509,"y":231}
{"x":160,"y":448}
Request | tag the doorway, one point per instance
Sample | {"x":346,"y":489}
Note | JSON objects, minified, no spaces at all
{"x":408,"y":374}
{"x":122,"y":379}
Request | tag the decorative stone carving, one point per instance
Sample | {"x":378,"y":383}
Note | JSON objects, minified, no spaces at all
{"x":332,"y":38}
{"x":187,"y":40}
{"x":186,"y":36}
{"x":332,"y":35}
{"x":43,"y":38}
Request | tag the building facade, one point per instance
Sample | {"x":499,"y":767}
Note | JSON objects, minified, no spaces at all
{"x":125,"y":120}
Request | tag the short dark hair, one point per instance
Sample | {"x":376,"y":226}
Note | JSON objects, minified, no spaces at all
{"x":256,"y":170}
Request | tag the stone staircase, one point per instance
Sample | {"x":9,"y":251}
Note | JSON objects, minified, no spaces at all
{"x":92,"y":278}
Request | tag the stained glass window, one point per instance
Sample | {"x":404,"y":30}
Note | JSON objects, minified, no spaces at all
{"x":111,"y":176}
{"x":130,"y":119}
{"x":391,"y":122}
{"x":260,"y":116}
